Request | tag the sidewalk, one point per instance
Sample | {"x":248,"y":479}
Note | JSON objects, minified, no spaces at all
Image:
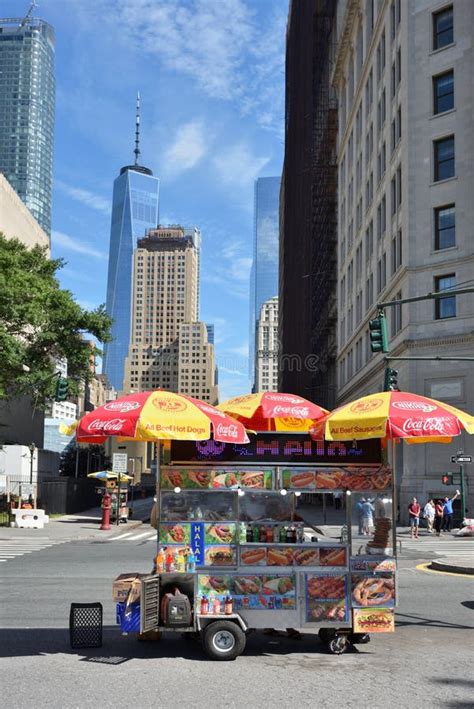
{"x":82,"y":525}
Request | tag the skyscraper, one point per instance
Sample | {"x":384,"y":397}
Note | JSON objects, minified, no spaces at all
{"x":266,"y":350}
{"x":135,"y":204}
{"x":264,"y":273}
{"x":27,"y":102}
{"x":169,"y":348}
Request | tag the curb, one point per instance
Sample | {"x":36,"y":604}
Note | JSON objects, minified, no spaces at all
{"x":441,"y":565}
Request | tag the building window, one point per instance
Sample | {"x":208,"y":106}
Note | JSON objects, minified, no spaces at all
{"x":445,"y":227}
{"x":369,"y":241}
{"x":397,"y":316}
{"x":443,"y":33}
{"x":443,"y":92}
{"x":444,"y":158}
{"x":445,"y":307}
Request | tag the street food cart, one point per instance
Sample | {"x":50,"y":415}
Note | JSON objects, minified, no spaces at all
{"x":238,"y":550}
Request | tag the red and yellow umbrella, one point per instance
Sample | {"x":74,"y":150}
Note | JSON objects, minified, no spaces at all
{"x":273,"y":411}
{"x":156,"y":416}
{"x":392,"y":415}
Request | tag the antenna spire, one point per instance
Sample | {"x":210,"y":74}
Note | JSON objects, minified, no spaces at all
{"x":137,"y":130}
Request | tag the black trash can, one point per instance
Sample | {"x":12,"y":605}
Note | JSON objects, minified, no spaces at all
{"x":85,"y":625}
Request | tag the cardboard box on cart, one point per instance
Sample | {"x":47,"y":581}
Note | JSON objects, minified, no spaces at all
{"x":122,"y":585}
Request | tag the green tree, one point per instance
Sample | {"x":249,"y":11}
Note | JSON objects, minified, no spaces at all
{"x":41,"y":323}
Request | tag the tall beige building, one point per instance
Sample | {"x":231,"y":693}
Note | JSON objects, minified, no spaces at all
{"x":266,"y":354}
{"x":165,"y":298}
{"x":403,"y":75}
{"x":16,"y":220}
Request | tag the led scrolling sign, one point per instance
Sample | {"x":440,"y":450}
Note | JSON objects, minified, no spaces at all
{"x":279,"y":449}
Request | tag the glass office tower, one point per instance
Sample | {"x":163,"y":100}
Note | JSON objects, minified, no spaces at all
{"x":264,"y":272}
{"x":27,"y":102}
{"x":134,"y":211}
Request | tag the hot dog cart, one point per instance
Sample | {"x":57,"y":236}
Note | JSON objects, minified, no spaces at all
{"x":240,"y":545}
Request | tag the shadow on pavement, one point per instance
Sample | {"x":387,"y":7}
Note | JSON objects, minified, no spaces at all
{"x":118,"y":649}
{"x":456,"y":684}
{"x":404,"y":619}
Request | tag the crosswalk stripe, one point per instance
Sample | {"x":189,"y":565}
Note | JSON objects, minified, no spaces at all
{"x":122,"y":536}
{"x":140,"y":536}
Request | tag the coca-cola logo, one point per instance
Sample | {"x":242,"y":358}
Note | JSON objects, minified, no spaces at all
{"x":414,"y":406}
{"x":101,"y":425}
{"x":122,"y":407}
{"x":231,"y":430}
{"x":288,"y":399}
{"x":299,"y":412}
{"x":435,"y":425}
{"x":170,"y":405}
{"x":211,"y":411}
{"x":363,"y":407}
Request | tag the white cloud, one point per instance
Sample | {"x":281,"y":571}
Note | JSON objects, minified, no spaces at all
{"x":218,"y":44}
{"x":237,"y":164}
{"x":90,"y":199}
{"x":69,"y":243}
{"x":242,"y":350}
{"x":188,"y":148}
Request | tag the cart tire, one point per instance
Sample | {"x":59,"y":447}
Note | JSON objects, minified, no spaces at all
{"x":338,"y":644}
{"x":223,"y":640}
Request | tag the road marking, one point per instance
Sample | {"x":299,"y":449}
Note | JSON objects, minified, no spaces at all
{"x":12,"y":548}
{"x":426,"y":570}
{"x":140,"y":536}
{"x":122,"y":536}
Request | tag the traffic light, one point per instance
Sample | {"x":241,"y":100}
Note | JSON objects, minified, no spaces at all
{"x":447,"y":479}
{"x":391,"y":379}
{"x":378,"y":333}
{"x":62,"y":389}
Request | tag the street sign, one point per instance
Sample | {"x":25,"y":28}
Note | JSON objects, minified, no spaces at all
{"x":461,"y":459}
{"x":119,"y":462}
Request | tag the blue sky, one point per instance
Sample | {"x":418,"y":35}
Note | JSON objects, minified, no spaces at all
{"x":211,"y":78}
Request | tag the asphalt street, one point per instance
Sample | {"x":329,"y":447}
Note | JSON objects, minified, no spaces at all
{"x":428,"y":660}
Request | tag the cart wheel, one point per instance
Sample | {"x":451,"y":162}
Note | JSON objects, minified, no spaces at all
{"x":223,"y":640}
{"x":337,"y":645}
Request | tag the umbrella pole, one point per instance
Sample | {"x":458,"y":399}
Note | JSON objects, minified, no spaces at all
{"x":394,"y":499}
{"x":157,"y":491}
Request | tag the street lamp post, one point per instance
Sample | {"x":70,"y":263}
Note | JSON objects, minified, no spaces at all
{"x":32,"y":448}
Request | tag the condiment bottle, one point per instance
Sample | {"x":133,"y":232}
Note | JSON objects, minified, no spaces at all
{"x":228,"y":605}
{"x":204,"y":606}
{"x":160,"y":561}
{"x":169,"y":562}
{"x":191,"y":562}
{"x":216,"y":606}
{"x":180,"y":561}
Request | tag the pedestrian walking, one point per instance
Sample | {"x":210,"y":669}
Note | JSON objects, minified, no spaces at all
{"x":414,"y":510}
{"x":367,"y":517}
{"x":359,"y":512}
{"x":337,"y":496}
{"x":429,"y":515}
{"x":448,"y":512}
{"x":438,"y":521}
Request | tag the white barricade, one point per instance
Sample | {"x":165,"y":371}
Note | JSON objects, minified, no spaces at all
{"x":29,"y":519}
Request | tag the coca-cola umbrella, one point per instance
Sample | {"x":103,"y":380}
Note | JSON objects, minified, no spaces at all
{"x":157,"y":416}
{"x":394,"y":415}
{"x":273,"y":411}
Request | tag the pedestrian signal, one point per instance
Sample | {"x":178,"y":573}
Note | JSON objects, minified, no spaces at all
{"x":447,"y":479}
